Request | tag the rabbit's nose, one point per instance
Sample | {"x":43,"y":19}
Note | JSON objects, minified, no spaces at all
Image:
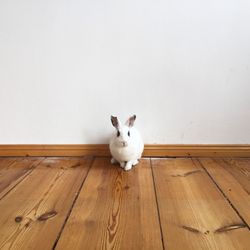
{"x":124,"y":143}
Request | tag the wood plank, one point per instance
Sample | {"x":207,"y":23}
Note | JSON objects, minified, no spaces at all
{"x":150,"y":150}
{"x":33,"y":213}
{"x":193,"y":212}
{"x":14,"y":170}
{"x":240,"y":169}
{"x":115,"y":210}
{"x":233,"y":177}
{"x":5,"y":162}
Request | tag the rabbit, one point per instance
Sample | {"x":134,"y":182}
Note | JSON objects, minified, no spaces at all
{"x":126,"y":144}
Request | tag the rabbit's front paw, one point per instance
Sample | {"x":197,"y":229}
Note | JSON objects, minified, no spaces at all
{"x":128,"y":166}
{"x":135,"y":162}
{"x":122,"y":164}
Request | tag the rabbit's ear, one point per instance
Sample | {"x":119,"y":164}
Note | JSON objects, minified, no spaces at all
{"x":115,"y":122}
{"x":130,"y":121}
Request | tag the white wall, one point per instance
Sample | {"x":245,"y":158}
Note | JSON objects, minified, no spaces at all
{"x":182,"y":66}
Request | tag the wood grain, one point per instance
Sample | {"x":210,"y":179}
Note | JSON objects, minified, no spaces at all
{"x":5,"y":162}
{"x":193,"y":212}
{"x":150,"y":150}
{"x":115,"y":210}
{"x":13,"y":171}
{"x":33,"y":213}
{"x":233,"y":177}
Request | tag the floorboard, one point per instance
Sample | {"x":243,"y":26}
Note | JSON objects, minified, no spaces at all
{"x":115,"y":210}
{"x":194,"y":213}
{"x":233,"y":178}
{"x":13,"y":171}
{"x":34,"y":211}
{"x":86,"y":203}
{"x":5,"y":162}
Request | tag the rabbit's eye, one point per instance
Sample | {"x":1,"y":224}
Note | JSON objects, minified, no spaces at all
{"x":128,"y":133}
{"x":118,"y":133}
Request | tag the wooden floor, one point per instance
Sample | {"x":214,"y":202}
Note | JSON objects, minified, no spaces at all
{"x":87,"y":203}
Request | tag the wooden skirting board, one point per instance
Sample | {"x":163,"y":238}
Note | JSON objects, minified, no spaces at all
{"x":150,"y":150}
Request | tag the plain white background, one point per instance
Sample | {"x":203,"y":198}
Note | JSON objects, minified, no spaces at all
{"x":182,"y":66}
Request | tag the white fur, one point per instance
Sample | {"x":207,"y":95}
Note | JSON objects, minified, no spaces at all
{"x":126,"y":150}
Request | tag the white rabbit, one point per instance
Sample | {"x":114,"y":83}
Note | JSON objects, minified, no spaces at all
{"x":126,"y":145}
